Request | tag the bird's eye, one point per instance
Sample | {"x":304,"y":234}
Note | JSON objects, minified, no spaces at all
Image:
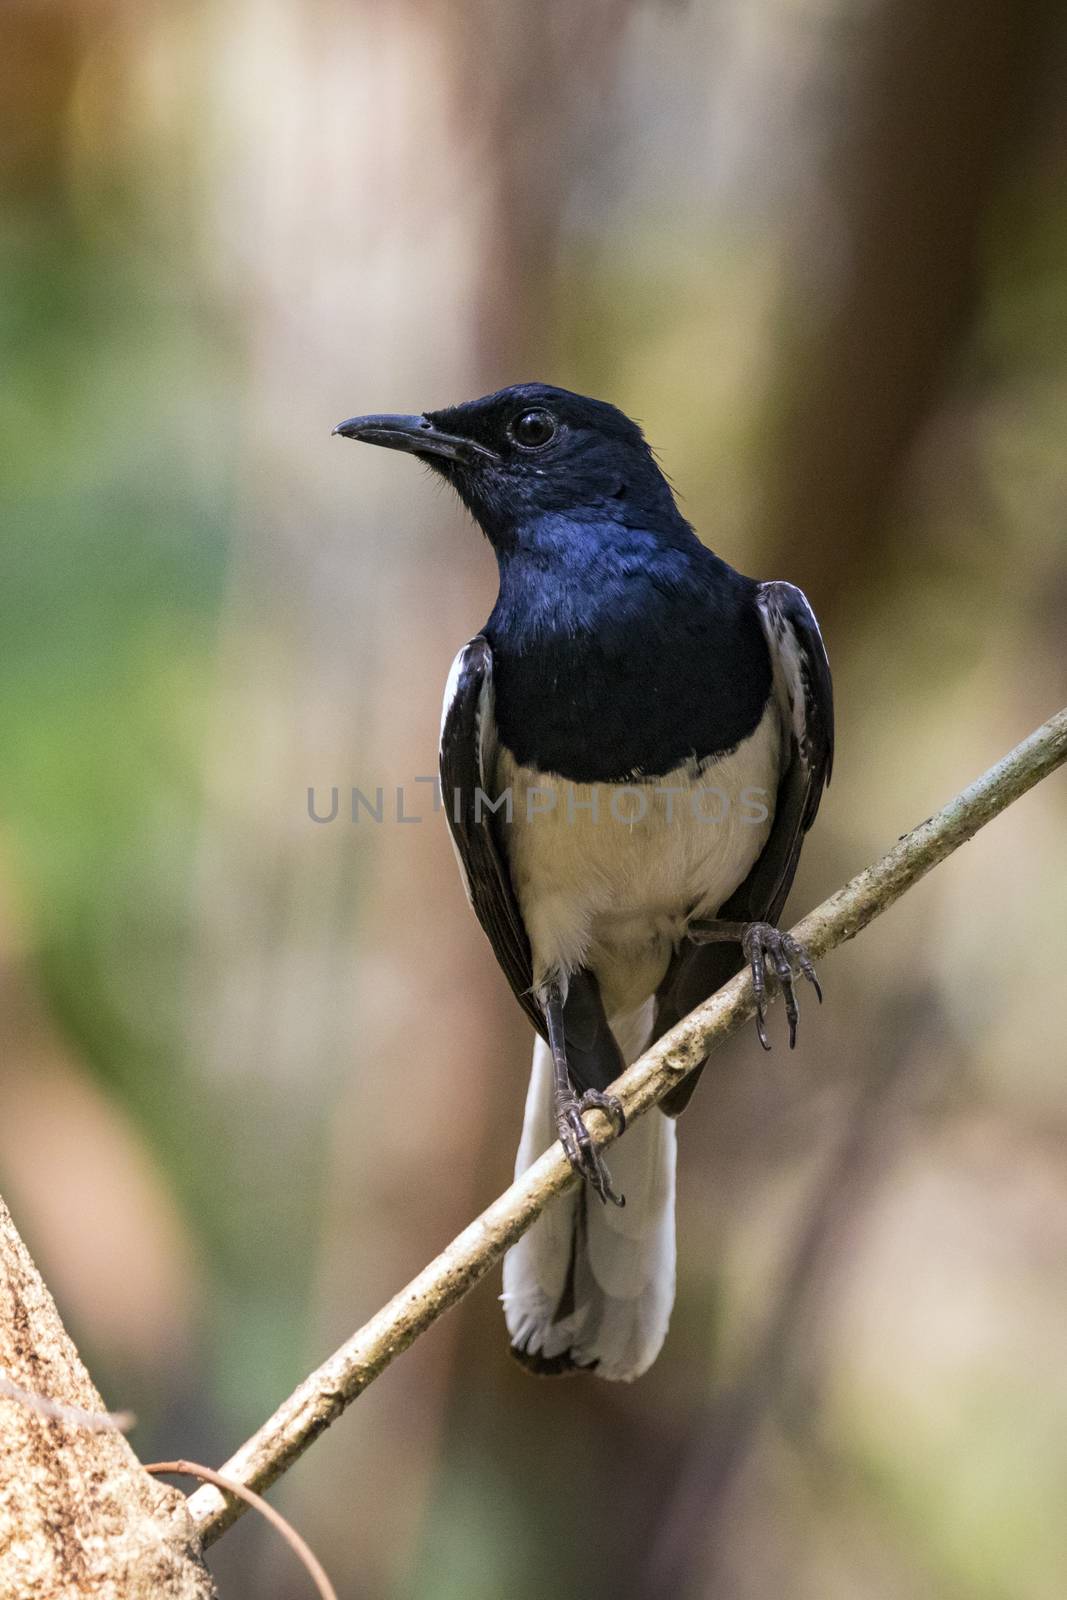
{"x":532,"y":429}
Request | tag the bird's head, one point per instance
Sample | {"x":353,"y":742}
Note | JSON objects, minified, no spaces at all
{"x":532,"y":452}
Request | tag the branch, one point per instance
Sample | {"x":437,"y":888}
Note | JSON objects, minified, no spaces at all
{"x":300,"y":1548}
{"x":323,"y":1395}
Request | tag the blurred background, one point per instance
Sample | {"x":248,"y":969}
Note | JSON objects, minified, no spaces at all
{"x":254,"y":1070}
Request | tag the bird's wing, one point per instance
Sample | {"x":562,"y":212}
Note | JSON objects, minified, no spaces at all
{"x":804,"y":692}
{"x":806,"y":702}
{"x":468,"y":740}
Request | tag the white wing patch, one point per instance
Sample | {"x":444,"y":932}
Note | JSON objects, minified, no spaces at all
{"x":451,"y":685}
{"x":780,"y":604}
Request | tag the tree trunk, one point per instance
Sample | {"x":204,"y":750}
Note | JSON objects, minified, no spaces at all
{"x":79,"y":1516}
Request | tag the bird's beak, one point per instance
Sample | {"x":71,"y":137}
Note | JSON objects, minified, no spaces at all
{"x":417,"y":435}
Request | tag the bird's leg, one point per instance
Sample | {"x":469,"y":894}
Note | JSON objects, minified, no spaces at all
{"x":575,"y":1137}
{"x":768,"y":951}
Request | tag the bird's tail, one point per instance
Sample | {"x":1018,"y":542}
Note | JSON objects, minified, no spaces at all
{"x":592,"y":1285}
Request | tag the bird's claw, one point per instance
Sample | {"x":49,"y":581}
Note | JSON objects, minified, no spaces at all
{"x":609,"y":1104}
{"x":577,"y":1141}
{"x":769,"y":951}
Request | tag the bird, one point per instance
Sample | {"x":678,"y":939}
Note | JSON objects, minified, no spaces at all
{"x":633,"y":748}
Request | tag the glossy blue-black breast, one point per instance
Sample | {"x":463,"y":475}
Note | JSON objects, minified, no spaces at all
{"x":635,"y":663}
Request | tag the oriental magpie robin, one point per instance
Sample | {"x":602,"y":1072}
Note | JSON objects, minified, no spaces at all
{"x":637,"y":742}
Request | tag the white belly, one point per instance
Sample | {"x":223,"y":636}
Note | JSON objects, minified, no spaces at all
{"x":609,"y":875}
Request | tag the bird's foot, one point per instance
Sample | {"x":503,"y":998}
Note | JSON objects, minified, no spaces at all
{"x":772,"y":953}
{"x":609,"y":1104}
{"x":577,"y":1141}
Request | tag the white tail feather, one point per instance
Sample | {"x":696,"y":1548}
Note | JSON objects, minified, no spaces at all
{"x":612,"y":1268}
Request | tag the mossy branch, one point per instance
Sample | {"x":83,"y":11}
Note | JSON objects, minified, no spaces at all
{"x":323,"y":1395}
